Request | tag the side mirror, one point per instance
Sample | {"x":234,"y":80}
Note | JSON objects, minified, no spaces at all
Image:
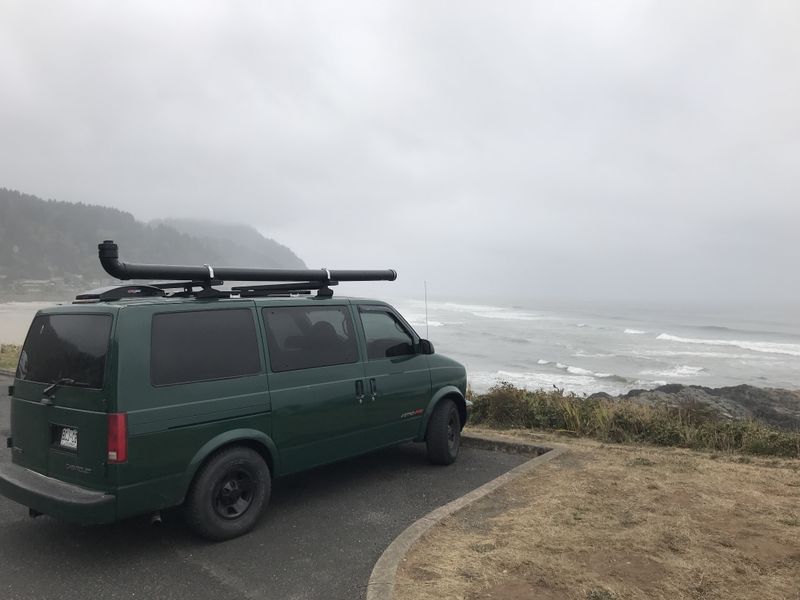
{"x":425,"y":347}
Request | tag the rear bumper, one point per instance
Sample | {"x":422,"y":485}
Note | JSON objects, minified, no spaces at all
{"x":56,"y":498}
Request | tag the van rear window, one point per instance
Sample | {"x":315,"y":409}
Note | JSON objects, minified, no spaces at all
{"x":66,"y":347}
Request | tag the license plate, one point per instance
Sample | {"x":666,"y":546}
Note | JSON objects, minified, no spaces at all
{"x":69,"y":438}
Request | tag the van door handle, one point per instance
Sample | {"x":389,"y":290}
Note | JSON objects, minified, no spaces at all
{"x":360,"y":390}
{"x":373,"y":389}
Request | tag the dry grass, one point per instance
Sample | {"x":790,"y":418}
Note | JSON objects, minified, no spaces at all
{"x":9,"y":355}
{"x":607,"y":522}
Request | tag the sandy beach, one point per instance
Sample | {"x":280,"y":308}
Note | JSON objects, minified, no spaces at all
{"x":16,"y":317}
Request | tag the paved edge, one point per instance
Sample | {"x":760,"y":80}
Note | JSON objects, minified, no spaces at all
{"x":7,"y":373}
{"x":381,"y":581}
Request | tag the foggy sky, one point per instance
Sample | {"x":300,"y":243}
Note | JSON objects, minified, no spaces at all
{"x":578,"y":151}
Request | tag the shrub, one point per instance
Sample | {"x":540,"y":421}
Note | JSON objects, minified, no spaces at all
{"x":9,"y":355}
{"x":627,"y":421}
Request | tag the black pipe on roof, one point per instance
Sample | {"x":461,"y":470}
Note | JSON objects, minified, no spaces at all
{"x":109,"y":258}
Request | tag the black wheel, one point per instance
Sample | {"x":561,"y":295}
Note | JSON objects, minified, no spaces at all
{"x":228,"y":494}
{"x":444,"y":433}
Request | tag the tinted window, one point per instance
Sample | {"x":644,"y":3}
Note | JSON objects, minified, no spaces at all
{"x":66,"y":346}
{"x":202,"y":345}
{"x":309,"y":336}
{"x":386,"y":337}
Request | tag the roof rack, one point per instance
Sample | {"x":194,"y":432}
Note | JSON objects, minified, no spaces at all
{"x":117,"y":293}
{"x":200,"y":282}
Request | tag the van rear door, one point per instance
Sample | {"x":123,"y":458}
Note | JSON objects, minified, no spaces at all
{"x":59,"y":422}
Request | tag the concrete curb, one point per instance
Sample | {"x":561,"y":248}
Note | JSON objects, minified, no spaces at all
{"x":381,"y":581}
{"x":7,"y":373}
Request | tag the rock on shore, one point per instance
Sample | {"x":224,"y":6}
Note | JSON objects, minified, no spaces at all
{"x":772,"y":406}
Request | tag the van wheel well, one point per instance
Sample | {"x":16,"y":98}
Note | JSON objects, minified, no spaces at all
{"x":461,"y":405}
{"x":258,"y":447}
{"x":252,"y":444}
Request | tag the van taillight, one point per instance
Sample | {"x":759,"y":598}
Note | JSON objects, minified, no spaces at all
{"x":117,"y":437}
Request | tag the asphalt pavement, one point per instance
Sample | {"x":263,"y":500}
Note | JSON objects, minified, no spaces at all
{"x":318,"y":540}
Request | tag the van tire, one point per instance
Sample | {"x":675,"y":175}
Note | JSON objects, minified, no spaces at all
{"x":443,"y":437}
{"x":229,"y":494}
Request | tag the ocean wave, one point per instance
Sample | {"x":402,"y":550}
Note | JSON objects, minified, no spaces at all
{"x":612,"y":377}
{"x":743,"y":330}
{"x":580,"y":384}
{"x":486,"y":311}
{"x":510,"y":316}
{"x":583,"y":354}
{"x":670,"y":353}
{"x":418,"y":320}
{"x":657,"y":383}
{"x":580,"y":371}
{"x":416,"y":323}
{"x":542,"y":361}
{"x":634,"y":331}
{"x":767,"y":347}
{"x":533,"y":380}
{"x":678,"y":371}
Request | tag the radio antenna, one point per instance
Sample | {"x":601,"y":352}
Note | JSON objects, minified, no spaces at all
{"x":427,"y":329}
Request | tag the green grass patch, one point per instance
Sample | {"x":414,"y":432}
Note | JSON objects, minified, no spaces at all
{"x":9,"y":355}
{"x":506,"y":406}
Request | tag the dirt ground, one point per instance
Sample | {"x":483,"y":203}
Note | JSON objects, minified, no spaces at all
{"x":606,"y":522}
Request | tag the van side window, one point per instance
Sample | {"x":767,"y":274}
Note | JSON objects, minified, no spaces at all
{"x":386,"y":337}
{"x":302,"y":337}
{"x":203,"y":345}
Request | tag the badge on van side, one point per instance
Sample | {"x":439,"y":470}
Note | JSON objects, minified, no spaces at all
{"x":412,"y":413}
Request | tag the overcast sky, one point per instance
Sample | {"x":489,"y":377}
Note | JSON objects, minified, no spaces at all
{"x":618,"y":151}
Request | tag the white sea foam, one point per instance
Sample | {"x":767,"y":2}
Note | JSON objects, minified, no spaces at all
{"x":421,"y":322}
{"x":579,"y":371}
{"x":581,"y":325}
{"x":678,"y":371}
{"x":768,"y":347}
{"x":634,"y":331}
{"x":542,"y":361}
{"x":509,"y":316}
{"x":480,"y":381}
{"x":582,"y":354}
{"x":465,"y":307}
{"x":486,"y":311}
{"x":669,"y":353}
{"x":531,"y":380}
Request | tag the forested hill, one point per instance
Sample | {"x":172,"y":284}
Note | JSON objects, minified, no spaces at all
{"x":48,"y":239}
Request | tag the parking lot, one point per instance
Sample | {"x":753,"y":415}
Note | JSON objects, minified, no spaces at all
{"x":321,"y":535}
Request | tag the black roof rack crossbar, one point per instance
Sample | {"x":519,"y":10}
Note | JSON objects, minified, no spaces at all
{"x":187,"y":285}
{"x":273,"y":289}
{"x":109,"y":258}
{"x":284,"y":287}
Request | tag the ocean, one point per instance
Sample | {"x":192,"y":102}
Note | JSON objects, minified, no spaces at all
{"x":610,"y":351}
{"x":584,"y":352}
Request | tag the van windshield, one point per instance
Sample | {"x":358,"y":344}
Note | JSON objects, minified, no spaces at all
{"x":67,"y":348}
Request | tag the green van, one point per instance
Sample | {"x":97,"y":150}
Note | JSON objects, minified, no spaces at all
{"x":135,"y":399}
